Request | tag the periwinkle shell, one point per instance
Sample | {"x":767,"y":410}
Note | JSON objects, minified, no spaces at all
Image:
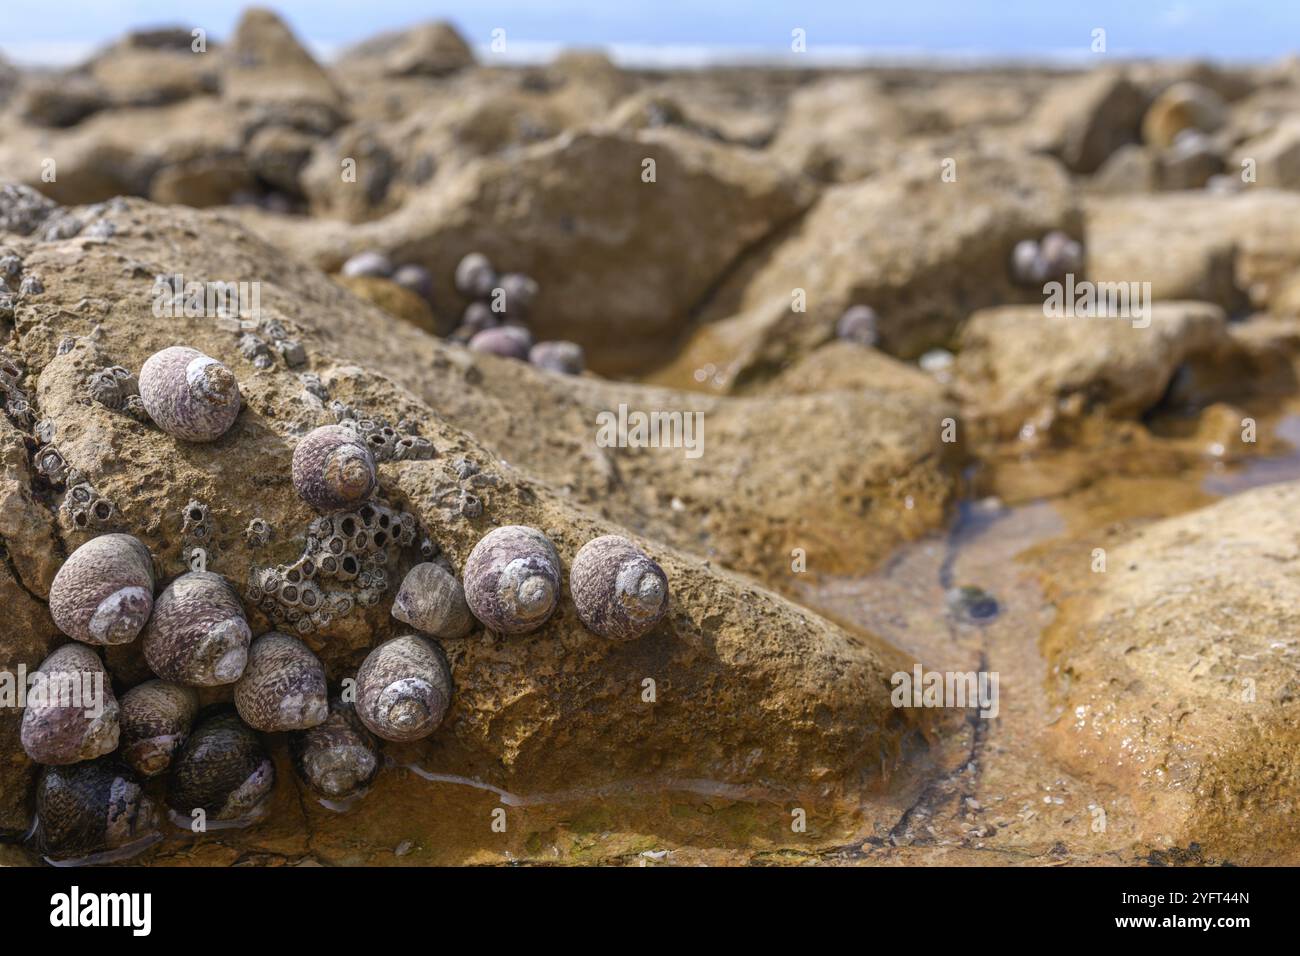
{"x":156,"y":719}
{"x":619,"y":591}
{"x":223,"y":770}
{"x":339,"y":757}
{"x":566,"y":358}
{"x":103,"y":593}
{"x":333,"y":469}
{"x":432,"y":601}
{"x":71,"y":713}
{"x":507,"y":341}
{"x":512,"y":579}
{"x":403,"y":689}
{"x":198,"y":634}
{"x":90,"y":810}
{"x":188,"y":394}
{"x":283,"y":686}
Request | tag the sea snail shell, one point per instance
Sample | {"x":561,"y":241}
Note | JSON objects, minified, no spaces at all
{"x":283,"y":687}
{"x":198,"y":634}
{"x":403,"y":689}
{"x":432,"y":601}
{"x":512,"y":579}
{"x":188,"y":394}
{"x":75,"y":716}
{"x":333,"y":469}
{"x":91,"y":808}
{"x":339,"y":757}
{"x":223,"y":769}
{"x":156,"y":719}
{"x":619,"y":592}
{"x":103,"y":594}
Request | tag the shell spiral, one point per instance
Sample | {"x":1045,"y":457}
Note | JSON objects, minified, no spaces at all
{"x":283,"y":686}
{"x":333,"y":469}
{"x":339,"y":757}
{"x":103,"y":593}
{"x":71,"y":713}
{"x":432,"y":601}
{"x":403,"y":689}
{"x":619,"y":591}
{"x":198,"y":634}
{"x":188,"y":394}
{"x":156,"y":719}
{"x":91,"y":808}
{"x":512,"y":579}
{"x":223,"y":769}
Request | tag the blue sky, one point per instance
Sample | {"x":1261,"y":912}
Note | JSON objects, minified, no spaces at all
{"x":1217,"y":29}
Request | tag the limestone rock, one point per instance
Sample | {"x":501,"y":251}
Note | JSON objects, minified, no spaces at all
{"x":1175,"y":673}
{"x":1018,"y":366}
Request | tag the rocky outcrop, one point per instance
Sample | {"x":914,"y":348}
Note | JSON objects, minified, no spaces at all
{"x":1175,"y":674}
{"x":923,"y":252}
{"x":756,"y":691}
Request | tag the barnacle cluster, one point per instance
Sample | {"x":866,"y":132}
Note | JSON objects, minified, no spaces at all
{"x":257,"y":533}
{"x":385,"y":442}
{"x":344,"y":564}
{"x":117,"y":388}
{"x":17,"y":405}
{"x":83,"y":506}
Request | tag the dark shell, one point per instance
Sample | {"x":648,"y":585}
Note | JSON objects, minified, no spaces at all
{"x":619,"y":592}
{"x":156,"y":719}
{"x":507,"y":341}
{"x":567,"y":358}
{"x":333,"y":469}
{"x":475,"y":276}
{"x":339,"y":757}
{"x":223,"y":769}
{"x":71,"y":713}
{"x":188,"y":394}
{"x":103,"y":593}
{"x":519,"y":290}
{"x":416,"y":278}
{"x":403,"y":689}
{"x":512,"y":579}
{"x":283,"y":687}
{"x":858,"y":324}
{"x":91,"y":808}
{"x":198,"y":634}
{"x":432,"y":601}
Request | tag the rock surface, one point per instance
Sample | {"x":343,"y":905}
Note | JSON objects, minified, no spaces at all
{"x":1193,"y":624}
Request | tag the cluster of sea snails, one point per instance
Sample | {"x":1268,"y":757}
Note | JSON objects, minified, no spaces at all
{"x":93,"y":801}
{"x":374,"y":264}
{"x":496,"y":319}
{"x":1034,"y":262}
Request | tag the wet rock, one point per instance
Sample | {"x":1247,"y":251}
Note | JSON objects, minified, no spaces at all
{"x":395,"y":300}
{"x":971,"y":604}
{"x":1193,"y":623}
